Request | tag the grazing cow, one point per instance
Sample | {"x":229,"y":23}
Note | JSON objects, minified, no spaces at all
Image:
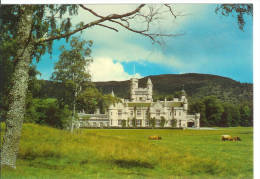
{"x":236,"y":138}
{"x":226,"y":137}
{"x":155,"y":138}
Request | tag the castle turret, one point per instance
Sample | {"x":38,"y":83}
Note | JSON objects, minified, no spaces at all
{"x":183,"y":95}
{"x":112,"y":93}
{"x":133,"y":86}
{"x":184,"y":100}
{"x":197,"y":119}
{"x":150,"y":90}
{"x":185,"y":104}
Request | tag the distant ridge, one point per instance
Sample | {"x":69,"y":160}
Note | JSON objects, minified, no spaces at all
{"x":196,"y":86}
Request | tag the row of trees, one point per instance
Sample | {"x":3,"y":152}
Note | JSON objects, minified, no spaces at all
{"x":214,"y":112}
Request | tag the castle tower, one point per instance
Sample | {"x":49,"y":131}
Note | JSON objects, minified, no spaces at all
{"x":112,"y":93}
{"x":150,"y":90}
{"x":133,"y":87}
{"x":184,"y":99}
{"x":185,"y":104}
{"x":197,"y":118}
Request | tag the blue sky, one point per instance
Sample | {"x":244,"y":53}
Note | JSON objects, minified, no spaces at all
{"x":211,"y":44}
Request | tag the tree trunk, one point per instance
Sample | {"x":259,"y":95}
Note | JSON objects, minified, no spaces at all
{"x":19,"y":85}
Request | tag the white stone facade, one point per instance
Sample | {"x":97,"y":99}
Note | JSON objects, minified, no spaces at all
{"x":142,"y":111}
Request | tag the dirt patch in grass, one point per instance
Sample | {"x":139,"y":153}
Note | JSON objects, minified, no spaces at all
{"x":132,"y":164}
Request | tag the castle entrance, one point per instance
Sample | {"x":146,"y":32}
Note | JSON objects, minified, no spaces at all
{"x":190,"y":124}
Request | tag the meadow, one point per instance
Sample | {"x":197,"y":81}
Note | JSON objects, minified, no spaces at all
{"x":127,"y":153}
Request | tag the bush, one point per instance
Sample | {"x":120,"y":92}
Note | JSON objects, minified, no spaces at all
{"x":173,"y":123}
{"x":49,"y":112}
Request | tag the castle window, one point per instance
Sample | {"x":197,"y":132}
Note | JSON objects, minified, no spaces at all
{"x":170,"y":113}
{"x":132,"y":113}
{"x":111,"y":122}
{"x":94,"y":124}
{"x":157,"y":112}
{"x":147,"y":122}
{"x":174,"y":113}
{"x":140,"y":98}
{"x":119,"y":112}
{"x":180,"y":113}
{"x":158,"y":122}
{"x":111,"y":113}
{"x":138,"y":122}
{"x":119,"y":122}
{"x":138,"y":112}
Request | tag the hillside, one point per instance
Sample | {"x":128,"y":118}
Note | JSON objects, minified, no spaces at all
{"x":195,"y":85}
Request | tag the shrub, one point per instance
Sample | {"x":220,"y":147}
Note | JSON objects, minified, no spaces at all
{"x":173,"y":123}
{"x":162,"y":122}
{"x":49,"y":112}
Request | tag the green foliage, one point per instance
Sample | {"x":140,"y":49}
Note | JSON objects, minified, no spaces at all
{"x":162,"y":122}
{"x":48,"y":112}
{"x":214,"y":113}
{"x":240,"y":10}
{"x":198,"y":106}
{"x":213,"y":110}
{"x":123,"y":123}
{"x":152,"y":122}
{"x":173,"y":123}
{"x":71,"y":68}
{"x":45,"y":23}
{"x":106,"y":101}
{"x":246,"y":115}
{"x":89,"y":100}
{"x":230,"y":116}
{"x":72,"y":63}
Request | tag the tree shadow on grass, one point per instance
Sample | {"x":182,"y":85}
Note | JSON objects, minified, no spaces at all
{"x":132,"y":164}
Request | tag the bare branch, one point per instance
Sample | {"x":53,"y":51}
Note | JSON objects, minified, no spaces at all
{"x":150,"y":35}
{"x":91,"y":11}
{"x":170,"y":9}
{"x":108,"y":27}
{"x":124,"y":20}
{"x":93,"y":23}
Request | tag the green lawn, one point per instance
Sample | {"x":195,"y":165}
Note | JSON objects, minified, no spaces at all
{"x":127,"y":153}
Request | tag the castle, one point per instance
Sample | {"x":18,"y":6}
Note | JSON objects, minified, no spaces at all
{"x":141,"y":111}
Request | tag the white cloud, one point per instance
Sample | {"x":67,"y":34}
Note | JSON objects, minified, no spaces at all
{"x":125,"y":46}
{"x":105,"y":69}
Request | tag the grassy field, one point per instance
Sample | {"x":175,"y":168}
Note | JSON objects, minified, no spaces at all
{"x":127,"y":153}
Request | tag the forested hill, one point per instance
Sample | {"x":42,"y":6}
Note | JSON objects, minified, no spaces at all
{"x":195,"y":85}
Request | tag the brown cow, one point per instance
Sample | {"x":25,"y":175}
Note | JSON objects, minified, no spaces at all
{"x":155,"y":137}
{"x":236,"y":138}
{"x":226,"y":137}
{"x":230,"y":138}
